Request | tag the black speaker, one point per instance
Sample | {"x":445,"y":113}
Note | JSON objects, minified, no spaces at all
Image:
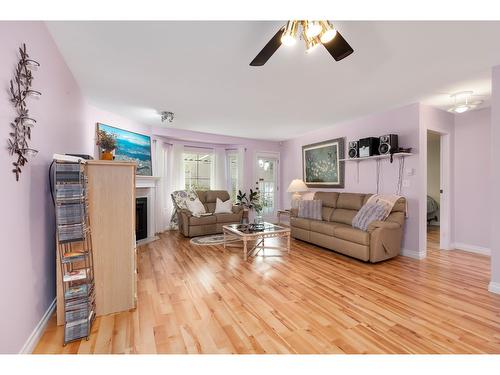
{"x":353,"y":151}
{"x":388,"y":144}
{"x":368,"y":146}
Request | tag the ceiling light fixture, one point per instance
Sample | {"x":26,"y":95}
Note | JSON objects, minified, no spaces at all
{"x":289,"y":35}
{"x":463,"y":103}
{"x":311,"y":44}
{"x":313,"y":33}
{"x":313,"y":28}
{"x":167,"y":116}
{"x":328,"y":32}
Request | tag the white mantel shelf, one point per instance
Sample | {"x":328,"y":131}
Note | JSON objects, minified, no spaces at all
{"x":146,"y":181}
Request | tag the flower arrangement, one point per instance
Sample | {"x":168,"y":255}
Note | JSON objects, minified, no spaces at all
{"x":106,"y":141}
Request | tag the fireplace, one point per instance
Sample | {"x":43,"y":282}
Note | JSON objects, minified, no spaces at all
{"x":141,"y":218}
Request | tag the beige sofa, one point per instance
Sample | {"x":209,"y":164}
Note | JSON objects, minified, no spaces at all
{"x":191,"y":226}
{"x":335,"y":232}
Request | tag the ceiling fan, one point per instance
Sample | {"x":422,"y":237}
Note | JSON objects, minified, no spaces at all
{"x":313,"y":33}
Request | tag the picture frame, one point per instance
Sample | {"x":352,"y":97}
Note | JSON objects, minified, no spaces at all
{"x":131,"y":146}
{"x":323,"y":164}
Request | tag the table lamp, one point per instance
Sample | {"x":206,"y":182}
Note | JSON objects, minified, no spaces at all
{"x":296,"y":187}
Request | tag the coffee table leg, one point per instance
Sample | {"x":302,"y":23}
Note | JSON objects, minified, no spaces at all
{"x":288,"y":242}
{"x":224,"y":232}
{"x":244,"y":249}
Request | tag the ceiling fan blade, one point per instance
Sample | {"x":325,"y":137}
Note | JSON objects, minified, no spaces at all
{"x":268,"y":49}
{"x":338,"y":47}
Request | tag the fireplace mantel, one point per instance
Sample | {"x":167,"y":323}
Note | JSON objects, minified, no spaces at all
{"x":146,"y":181}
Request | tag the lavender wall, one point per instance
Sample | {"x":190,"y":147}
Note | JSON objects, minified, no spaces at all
{"x":252,"y":146}
{"x":495,"y":181}
{"x":65,"y":124}
{"x":472,"y":185}
{"x":27,"y":222}
{"x":405,"y":122}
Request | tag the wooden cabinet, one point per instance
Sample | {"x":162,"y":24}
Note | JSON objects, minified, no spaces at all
{"x":111,"y":199}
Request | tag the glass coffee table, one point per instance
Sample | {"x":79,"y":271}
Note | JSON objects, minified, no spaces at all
{"x":257,"y":233}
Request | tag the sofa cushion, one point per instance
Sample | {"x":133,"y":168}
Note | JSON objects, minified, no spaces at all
{"x":196,"y":207}
{"x":202,"y":220}
{"x":343,"y":216}
{"x":328,"y":198}
{"x":211,"y":197}
{"x":350,"y":201}
{"x":326,"y":213}
{"x":223,"y":207}
{"x":227,"y":218}
{"x":323,"y":227}
{"x":310,"y":209}
{"x":300,"y":222}
{"x":352,"y":234}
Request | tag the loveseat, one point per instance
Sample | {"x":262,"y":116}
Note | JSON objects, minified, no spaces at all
{"x":192,"y":226}
{"x":381,"y":241}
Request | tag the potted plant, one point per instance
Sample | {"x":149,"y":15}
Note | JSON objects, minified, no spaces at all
{"x":252,"y":201}
{"x":107,"y":143}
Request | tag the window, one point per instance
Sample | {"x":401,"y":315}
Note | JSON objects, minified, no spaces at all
{"x":197,"y":170}
{"x":232,"y":171}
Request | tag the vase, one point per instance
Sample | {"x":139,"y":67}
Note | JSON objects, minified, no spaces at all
{"x":106,"y":155}
{"x":258,"y":218}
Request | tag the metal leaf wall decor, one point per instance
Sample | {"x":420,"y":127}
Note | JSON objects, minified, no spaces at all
{"x":20,"y":89}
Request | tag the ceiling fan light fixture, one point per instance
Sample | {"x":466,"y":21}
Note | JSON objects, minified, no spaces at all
{"x":289,"y":35}
{"x":312,"y":44}
{"x":313,"y":28}
{"x":328,"y":32}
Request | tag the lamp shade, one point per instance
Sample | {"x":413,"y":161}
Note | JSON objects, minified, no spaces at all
{"x":296,"y":186}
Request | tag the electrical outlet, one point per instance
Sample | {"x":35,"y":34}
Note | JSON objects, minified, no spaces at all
{"x":406,"y":183}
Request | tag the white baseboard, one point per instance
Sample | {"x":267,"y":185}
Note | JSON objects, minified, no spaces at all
{"x":35,"y":336}
{"x":413,"y":254}
{"x":471,"y":248}
{"x":494,"y":287}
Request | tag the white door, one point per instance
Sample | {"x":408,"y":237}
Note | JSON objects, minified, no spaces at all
{"x":267,"y":180}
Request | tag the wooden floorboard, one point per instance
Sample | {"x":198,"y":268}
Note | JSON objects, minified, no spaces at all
{"x":206,"y":299}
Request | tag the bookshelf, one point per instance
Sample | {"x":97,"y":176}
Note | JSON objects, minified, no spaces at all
{"x":74,"y":249}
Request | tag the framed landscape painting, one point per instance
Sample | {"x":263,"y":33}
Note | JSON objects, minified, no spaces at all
{"x":131,"y":146}
{"x":321,"y":164}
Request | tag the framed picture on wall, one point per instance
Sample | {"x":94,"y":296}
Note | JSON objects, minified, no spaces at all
{"x":131,"y":146}
{"x":321,"y":164}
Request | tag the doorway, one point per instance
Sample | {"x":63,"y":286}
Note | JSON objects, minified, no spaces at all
{"x":267,"y":167}
{"x":433,"y":190}
{"x":438,"y":182}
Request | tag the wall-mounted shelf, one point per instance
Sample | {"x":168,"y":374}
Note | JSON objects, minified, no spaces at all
{"x":374,"y":157}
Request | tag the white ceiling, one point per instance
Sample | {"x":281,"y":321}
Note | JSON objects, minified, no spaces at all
{"x":200,"y":71}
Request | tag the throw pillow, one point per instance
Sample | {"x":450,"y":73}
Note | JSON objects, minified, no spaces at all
{"x":368,"y":213}
{"x":223,"y":207}
{"x":196,"y":207}
{"x":310,"y":209}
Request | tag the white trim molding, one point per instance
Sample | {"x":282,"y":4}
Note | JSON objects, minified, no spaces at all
{"x":37,"y":333}
{"x":413,"y":254}
{"x":494,"y":287}
{"x":471,"y":248}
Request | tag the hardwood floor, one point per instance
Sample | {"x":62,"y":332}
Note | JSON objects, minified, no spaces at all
{"x":200,"y":299}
